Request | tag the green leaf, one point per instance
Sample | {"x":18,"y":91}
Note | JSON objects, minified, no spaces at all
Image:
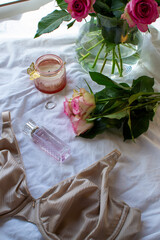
{"x":115,"y":106}
{"x":143,"y":84}
{"x":109,"y":92}
{"x":158,"y":1}
{"x":151,"y":114}
{"x":125,"y":85}
{"x":106,"y":81}
{"x":135,"y":96}
{"x":109,"y":22}
{"x":117,"y":115}
{"x":140,"y":123}
{"x":118,"y":8}
{"x":151,"y":109}
{"x":117,"y":4}
{"x":71,"y":24}
{"x":52,"y":21}
{"x":112,"y":123}
{"x":92,"y":14}
{"x":155,"y":109}
{"x":136,"y":131}
{"x":101,"y":107}
{"x":62,"y":4}
{"x":112,"y":28}
{"x":129,"y":123}
{"x":99,"y":127}
{"x":103,"y":7}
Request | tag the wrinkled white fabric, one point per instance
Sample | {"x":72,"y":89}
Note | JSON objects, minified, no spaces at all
{"x":135,"y":179}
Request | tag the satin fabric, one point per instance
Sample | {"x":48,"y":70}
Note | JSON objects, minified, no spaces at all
{"x":78,"y":208}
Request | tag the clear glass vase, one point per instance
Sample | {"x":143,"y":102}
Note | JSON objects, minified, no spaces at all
{"x":113,"y":49}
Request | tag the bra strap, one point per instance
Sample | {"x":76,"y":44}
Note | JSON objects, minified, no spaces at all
{"x":6,"y":125}
{"x":6,"y":118}
{"x":8,"y":133}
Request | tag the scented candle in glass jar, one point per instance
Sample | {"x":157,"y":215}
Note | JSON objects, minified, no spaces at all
{"x":52,"y":74}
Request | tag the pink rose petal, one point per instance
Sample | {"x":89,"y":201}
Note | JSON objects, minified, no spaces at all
{"x":79,"y":125}
{"x":67,"y":109}
{"x":80,"y":9}
{"x":141,"y":13}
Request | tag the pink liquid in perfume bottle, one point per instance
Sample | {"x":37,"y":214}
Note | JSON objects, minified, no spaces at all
{"x":48,"y":142}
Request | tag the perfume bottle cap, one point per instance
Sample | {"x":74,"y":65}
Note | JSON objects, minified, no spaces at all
{"x":30,"y":127}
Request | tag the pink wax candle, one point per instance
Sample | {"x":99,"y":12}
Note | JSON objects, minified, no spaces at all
{"x":52,"y":74}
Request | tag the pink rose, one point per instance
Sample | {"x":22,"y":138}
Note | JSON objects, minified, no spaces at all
{"x":141,"y":13}
{"x":80,"y":9}
{"x":67,"y":108}
{"x":82,"y":103}
{"x":75,"y":105}
{"x":80,"y":125}
{"x":81,"y":107}
{"x":78,"y":109}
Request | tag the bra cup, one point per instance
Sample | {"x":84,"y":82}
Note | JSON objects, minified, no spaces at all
{"x":72,"y":207}
{"x":131,"y":226}
{"x":3,"y":158}
{"x":81,"y":208}
{"x":13,"y":189}
{"x":5,"y":144}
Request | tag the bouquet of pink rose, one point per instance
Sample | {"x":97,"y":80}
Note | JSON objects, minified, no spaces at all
{"x":136,"y":12}
{"x":118,"y":21}
{"x":116,"y":106}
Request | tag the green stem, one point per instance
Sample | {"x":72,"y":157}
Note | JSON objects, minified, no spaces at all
{"x":95,"y":45}
{"x":121,"y":62}
{"x":91,"y":40}
{"x":77,"y":49}
{"x":130,"y":124}
{"x":107,"y":111}
{"x":88,"y":42}
{"x":144,"y":104}
{"x":85,"y":56}
{"x":126,"y":109}
{"x":96,"y":59}
{"x":119,"y":69}
{"x":113,"y":60}
{"x":142,"y":96}
{"x":104,"y":63}
{"x":116,"y":54}
{"x":129,"y":46}
{"x":113,"y":98}
{"x":88,"y":86}
{"x":149,"y":94}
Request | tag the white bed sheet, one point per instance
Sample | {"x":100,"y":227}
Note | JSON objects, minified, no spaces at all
{"x":136,"y":177}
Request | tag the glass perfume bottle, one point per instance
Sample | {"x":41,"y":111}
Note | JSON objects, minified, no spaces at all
{"x":47,"y":141}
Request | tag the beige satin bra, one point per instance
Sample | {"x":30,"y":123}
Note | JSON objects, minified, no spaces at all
{"x":78,"y":208}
